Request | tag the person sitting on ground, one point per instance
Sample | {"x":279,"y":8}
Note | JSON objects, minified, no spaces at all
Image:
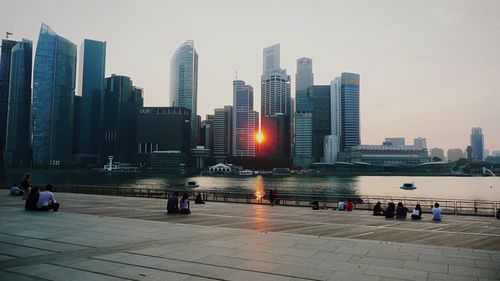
{"x":389,"y":212}
{"x":271,"y":197}
{"x":341,"y":206}
{"x":25,"y":187}
{"x":377,"y":209}
{"x":417,"y":213}
{"x":47,"y":201}
{"x":15,"y":190}
{"x":198,"y":199}
{"x":185,"y":205}
{"x":275,"y":196}
{"x":401,"y":212}
{"x":315,"y":205}
{"x":350,"y":206}
{"x":436,"y":212}
{"x":31,"y":203}
{"x":173,"y":203}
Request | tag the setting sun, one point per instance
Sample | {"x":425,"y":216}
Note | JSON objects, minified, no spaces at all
{"x":259,"y":137}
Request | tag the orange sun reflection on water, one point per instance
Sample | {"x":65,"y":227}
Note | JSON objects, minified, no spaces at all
{"x":259,"y":190}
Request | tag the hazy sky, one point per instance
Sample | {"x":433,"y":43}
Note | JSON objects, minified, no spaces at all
{"x":428,"y":68}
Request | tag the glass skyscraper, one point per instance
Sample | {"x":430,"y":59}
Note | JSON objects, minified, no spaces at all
{"x":304,"y":79}
{"x":349,"y":108}
{"x":91,"y":82}
{"x":18,"y":137}
{"x":477,"y":144}
{"x":184,"y":83}
{"x":53,"y":95}
{"x":245,"y":120}
{"x":321,"y":119}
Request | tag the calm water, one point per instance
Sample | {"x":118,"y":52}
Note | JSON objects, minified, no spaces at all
{"x":475,"y":188}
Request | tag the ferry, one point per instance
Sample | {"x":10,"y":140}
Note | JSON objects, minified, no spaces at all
{"x":245,"y":173}
{"x":191,"y":184}
{"x":408,"y":186}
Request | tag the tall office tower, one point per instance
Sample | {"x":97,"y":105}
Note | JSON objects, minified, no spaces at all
{"x":349,"y":110}
{"x":18,"y":135}
{"x":394,"y":141}
{"x":91,"y":89}
{"x":222,"y":132}
{"x":477,"y":144}
{"x":207,"y":132}
{"x":276,"y":110}
{"x":322,"y":115}
{"x":332,"y":142}
{"x":437,"y":152}
{"x":5,"y":57}
{"x":304,"y":78}
{"x":122,"y":102}
{"x":54,"y":78}
{"x":420,"y":142}
{"x":184,"y":83}
{"x":455,"y":154}
{"x":245,"y":120}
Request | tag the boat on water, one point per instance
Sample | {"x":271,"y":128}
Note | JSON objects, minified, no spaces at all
{"x":245,"y":173}
{"x":191,"y":184}
{"x":408,"y":186}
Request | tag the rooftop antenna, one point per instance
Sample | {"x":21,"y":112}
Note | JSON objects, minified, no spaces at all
{"x":236,"y":75}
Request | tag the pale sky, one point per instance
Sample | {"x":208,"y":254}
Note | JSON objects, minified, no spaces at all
{"x":428,"y":68}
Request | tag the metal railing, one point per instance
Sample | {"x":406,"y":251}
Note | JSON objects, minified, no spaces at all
{"x":361,"y":202}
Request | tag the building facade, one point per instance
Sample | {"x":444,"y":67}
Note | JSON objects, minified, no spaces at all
{"x":122,"y":101}
{"x":349,"y":108}
{"x":395,"y":141}
{"x":207,"y":132}
{"x":276,"y":105}
{"x":322,"y":115}
{"x":18,"y":133}
{"x":455,"y":154}
{"x":331,"y":148}
{"x":304,"y":79}
{"x":437,"y":152}
{"x":223,"y":125}
{"x":54,"y":77}
{"x":387,"y":155}
{"x":420,"y":142}
{"x":184,"y":83}
{"x":245,"y":121}
{"x":92,"y":67}
{"x":477,"y":144}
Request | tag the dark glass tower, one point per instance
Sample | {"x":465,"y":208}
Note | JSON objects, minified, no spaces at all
{"x":92,"y":72}
{"x":349,"y":104}
{"x":321,"y":118}
{"x":477,"y":144}
{"x":54,"y":78}
{"x":18,"y":137}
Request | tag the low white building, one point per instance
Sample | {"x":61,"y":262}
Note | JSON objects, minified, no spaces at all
{"x":219,"y":169}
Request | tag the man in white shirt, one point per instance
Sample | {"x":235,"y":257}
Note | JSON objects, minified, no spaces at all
{"x":341,"y":206}
{"x":436,"y":212}
{"x":47,"y":201}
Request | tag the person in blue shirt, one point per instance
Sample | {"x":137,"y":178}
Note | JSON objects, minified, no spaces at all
{"x":436,"y":212}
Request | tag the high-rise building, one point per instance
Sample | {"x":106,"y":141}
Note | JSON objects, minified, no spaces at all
{"x":91,"y":89}
{"x":184,"y":83}
{"x":349,"y":108}
{"x":222,"y":132}
{"x":455,"y":154}
{"x":304,"y":78}
{"x":276,"y":105}
{"x":395,"y":141}
{"x":332,"y":142}
{"x":477,"y":144}
{"x":5,"y":65}
{"x":54,"y":78}
{"x":18,"y":136}
{"x":207,"y":132}
{"x":122,"y":101}
{"x":331,"y":148}
{"x":420,"y":142}
{"x":322,"y":115}
{"x":245,"y":120}
{"x":437,"y":152}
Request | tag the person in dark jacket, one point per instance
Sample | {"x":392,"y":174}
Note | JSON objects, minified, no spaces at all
{"x":389,"y":212}
{"x":32,"y":200}
{"x":377,"y":209}
{"x":401,"y":211}
{"x":173,"y":203}
{"x":198,"y":199}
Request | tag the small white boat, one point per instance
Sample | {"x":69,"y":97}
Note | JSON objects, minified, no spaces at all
{"x":191,"y":184}
{"x":408,"y":186}
{"x":245,"y":173}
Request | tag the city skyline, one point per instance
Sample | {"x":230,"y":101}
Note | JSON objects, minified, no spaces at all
{"x":421,"y":70}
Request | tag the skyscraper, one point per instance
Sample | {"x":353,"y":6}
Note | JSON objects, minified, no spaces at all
{"x":5,"y":57}
{"x":420,"y":142}
{"x":207,"y":132}
{"x":349,"y":107}
{"x":91,"y":89}
{"x":222,"y":132}
{"x":53,"y":95}
{"x":18,"y":136}
{"x":245,"y":120}
{"x":332,"y":142}
{"x":122,"y":102}
{"x":477,"y":144}
{"x":304,"y":79}
{"x":275,"y":105}
{"x":321,"y":119}
{"x":184,"y":83}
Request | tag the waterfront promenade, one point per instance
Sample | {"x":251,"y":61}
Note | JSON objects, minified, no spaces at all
{"x":109,"y":238}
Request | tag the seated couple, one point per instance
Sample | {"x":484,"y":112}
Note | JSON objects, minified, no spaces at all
{"x":41,"y":201}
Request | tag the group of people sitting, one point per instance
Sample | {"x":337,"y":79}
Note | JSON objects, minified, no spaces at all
{"x":401,"y":211}
{"x":343,"y":206}
{"x":41,"y":201}
{"x":174,"y":206}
